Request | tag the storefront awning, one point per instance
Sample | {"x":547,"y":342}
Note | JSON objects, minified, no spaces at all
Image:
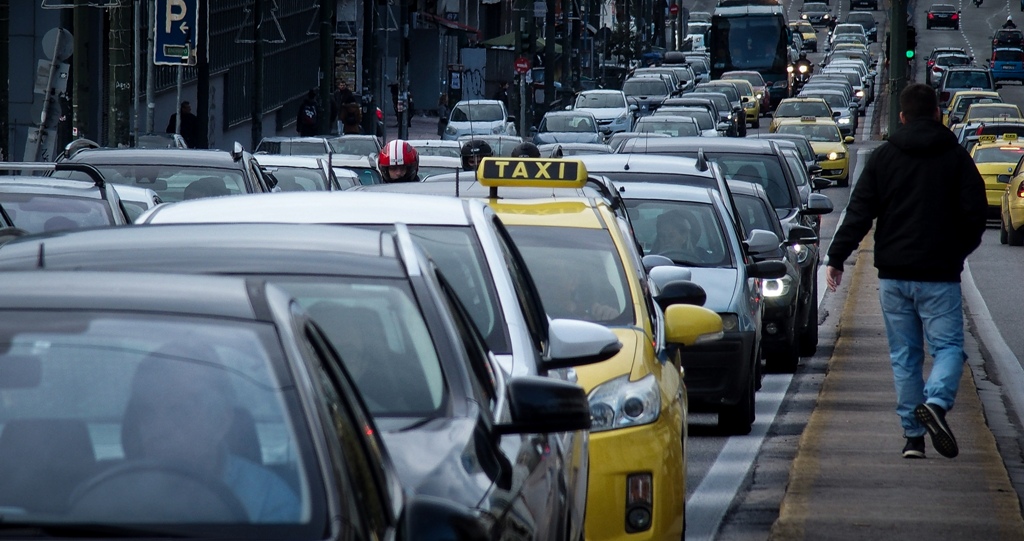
{"x":450,"y":25}
{"x":509,"y":40}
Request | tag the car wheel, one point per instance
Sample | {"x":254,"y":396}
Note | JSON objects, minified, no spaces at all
{"x":756,"y":123}
{"x":1002,"y":232}
{"x":844,"y":182}
{"x":1014,"y":237}
{"x":785,"y":360}
{"x":809,"y":335}
{"x":737,"y":420}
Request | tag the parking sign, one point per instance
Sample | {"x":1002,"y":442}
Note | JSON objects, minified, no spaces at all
{"x":175,"y":31}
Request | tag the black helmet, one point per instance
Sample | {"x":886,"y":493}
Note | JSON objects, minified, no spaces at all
{"x":803,"y":55}
{"x":526,"y":149}
{"x":474,"y":149}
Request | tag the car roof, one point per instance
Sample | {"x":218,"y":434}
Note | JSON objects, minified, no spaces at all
{"x":217,"y":296}
{"x":156,"y":156}
{"x":574,"y":112}
{"x":310,"y":162}
{"x":266,"y":248}
{"x":40,"y":185}
{"x":644,"y":163}
{"x":601,"y":91}
{"x":675,"y":192}
{"x":316,"y":207}
{"x":712,"y":144}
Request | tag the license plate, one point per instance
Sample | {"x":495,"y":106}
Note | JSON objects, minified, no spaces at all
{"x":1007,"y":67}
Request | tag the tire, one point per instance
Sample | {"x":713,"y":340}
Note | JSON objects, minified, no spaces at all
{"x":1014,"y":237}
{"x":756,"y":123}
{"x":808,"y":338}
{"x":844,"y":182}
{"x":737,"y":420}
{"x":1002,"y":233}
{"x":786,"y":359}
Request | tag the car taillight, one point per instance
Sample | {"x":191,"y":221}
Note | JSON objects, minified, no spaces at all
{"x":955,"y":16}
{"x":1020,"y":191}
{"x":380,"y":114}
{"x":936,"y":68}
{"x":931,"y":15}
{"x":979,"y":129}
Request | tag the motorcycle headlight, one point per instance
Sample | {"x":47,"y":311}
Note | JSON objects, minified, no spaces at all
{"x":789,"y":69}
{"x":803,"y":69}
{"x":620,"y":403}
{"x":825,"y":17}
{"x":777,"y":287}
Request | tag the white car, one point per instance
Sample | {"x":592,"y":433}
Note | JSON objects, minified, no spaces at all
{"x":609,"y":107}
{"x":479,"y":117}
{"x":567,"y":127}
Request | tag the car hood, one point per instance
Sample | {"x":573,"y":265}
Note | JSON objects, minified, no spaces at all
{"x":720,"y":284}
{"x":626,"y":361}
{"x":484,"y":127}
{"x":566,"y":137}
{"x":432,"y":459}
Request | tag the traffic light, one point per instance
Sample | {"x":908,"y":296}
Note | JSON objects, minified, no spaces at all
{"x":911,"y":42}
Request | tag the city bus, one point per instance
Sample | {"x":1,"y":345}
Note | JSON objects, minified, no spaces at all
{"x":752,"y":35}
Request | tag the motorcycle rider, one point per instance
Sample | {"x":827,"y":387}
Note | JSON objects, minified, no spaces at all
{"x":802,"y":69}
{"x":1009,"y":23}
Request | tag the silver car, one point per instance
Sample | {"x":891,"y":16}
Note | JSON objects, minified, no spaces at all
{"x":567,"y":127}
{"x":609,"y":107}
{"x":479,"y":117}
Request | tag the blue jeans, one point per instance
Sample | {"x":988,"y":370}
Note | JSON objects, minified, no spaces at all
{"x":916,"y":312}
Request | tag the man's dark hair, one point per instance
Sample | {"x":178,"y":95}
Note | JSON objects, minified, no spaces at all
{"x":918,"y":101}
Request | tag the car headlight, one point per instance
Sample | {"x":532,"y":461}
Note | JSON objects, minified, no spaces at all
{"x":804,"y":16}
{"x":620,"y":403}
{"x":498,"y":130}
{"x":836,"y":155}
{"x":825,"y":17}
{"x":776,"y":287}
{"x":730,"y":322}
{"x":450,"y":130}
{"x":843,"y":121}
{"x":789,"y":69}
{"x":801,"y":251}
{"x":860,"y":93}
{"x":760,"y":95}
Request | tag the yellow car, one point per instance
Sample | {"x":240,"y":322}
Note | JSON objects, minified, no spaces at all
{"x":586,"y":265}
{"x":991,"y":111}
{"x":963,"y":99}
{"x":807,"y":33}
{"x":829,"y":145}
{"x":751,"y":103}
{"x":996,"y":158}
{"x":1011,"y":210}
{"x":796,"y":108}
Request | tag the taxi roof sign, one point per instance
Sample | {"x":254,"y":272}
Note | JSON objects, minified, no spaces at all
{"x":496,"y":172}
{"x":808,"y":118}
{"x":987,"y":139}
{"x":1009,"y":137}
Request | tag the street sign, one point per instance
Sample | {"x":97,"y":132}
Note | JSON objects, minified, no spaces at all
{"x":673,"y":9}
{"x":522,"y":65}
{"x":177,"y":22}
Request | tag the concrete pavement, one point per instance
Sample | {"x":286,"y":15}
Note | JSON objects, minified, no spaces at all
{"x":849,"y":479}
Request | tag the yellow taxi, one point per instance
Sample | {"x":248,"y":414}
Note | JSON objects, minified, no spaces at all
{"x":586,"y":265}
{"x":963,"y":99}
{"x":751,"y":102}
{"x":995,"y":158}
{"x":993,"y":111}
{"x":828,"y":143}
{"x":807,"y":33}
{"x":1011,"y":209}
{"x":797,"y":108}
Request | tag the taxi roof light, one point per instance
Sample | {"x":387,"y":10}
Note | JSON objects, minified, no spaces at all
{"x":1009,"y":137}
{"x":808,"y":118}
{"x":987,"y":139}
{"x":532,"y":173}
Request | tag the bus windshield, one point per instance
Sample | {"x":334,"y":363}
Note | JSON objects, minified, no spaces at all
{"x":752,"y":43}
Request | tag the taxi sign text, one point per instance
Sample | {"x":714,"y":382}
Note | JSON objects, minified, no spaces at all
{"x":532,"y":172}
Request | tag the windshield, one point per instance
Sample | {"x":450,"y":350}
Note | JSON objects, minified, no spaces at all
{"x":600,"y":101}
{"x":802,"y":108}
{"x":578,"y":273}
{"x":477,"y":112}
{"x":147,"y":419}
{"x":836,"y":102}
{"x":645,"y":86}
{"x":298,"y":179}
{"x":957,"y":60}
{"x":672,"y":128}
{"x":688,"y":233}
{"x":814,"y":6}
{"x":567,"y":124}
{"x":813,"y":132}
{"x":966,"y":79}
{"x":703,"y":118}
{"x":41,"y":213}
{"x":367,"y":175}
{"x":378,"y":331}
{"x":358,"y":146}
{"x":994,"y":111}
{"x":753,"y":78}
{"x":863,"y":19}
{"x":1007,"y":154}
{"x":750,"y":42}
{"x":171,"y":182}
{"x":803,"y":147}
{"x":761,"y":169}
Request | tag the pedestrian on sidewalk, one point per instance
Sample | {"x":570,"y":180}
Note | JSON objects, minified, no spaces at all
{"x":928,"y":202}
{"x":442,"y":114}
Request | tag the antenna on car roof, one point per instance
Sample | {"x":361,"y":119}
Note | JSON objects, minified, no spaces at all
{"x":702,"y":160}
{"x":41,"y":257}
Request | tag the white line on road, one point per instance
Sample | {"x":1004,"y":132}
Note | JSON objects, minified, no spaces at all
{"x":706,"y":508}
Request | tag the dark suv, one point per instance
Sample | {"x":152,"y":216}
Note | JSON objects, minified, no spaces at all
{"x":1007,"y":37}
{"x":943,"y":15}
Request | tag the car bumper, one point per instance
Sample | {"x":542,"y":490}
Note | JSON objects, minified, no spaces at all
{"x":753,"y":111}
{"x":1013,"y":211}
{"x":834,"y":169}
{"x":656,"y":449}
{"x":1007,"y":73}
{"x":717,"y":372}
{"x":995,"y":197}
{"x":779,"y":318}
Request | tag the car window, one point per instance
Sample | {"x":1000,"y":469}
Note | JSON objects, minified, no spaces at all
{"x":966,"y":79}
{"x":358,"y":146}
{"x":298,"y":179}
{"x":578,"y":273}
{"x":755,"y":215}
{"x":686,"y":232}
{"x":644,"y":86}
{"x":802,"y":108}
{"x":813,"y":132}
{"x":1002,"y":154}
{"x":477,"y":112}
{"x":119,"y":398}
{"x":524,"y":286}
{"x":598,"y":101}
{"x":379,"y":332}
{"x":796,"y":167}
{"x":761,"y":169}
{"x":41,"y":213}
{"x":670,"y":128}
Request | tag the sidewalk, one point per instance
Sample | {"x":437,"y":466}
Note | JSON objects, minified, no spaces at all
{"x":849,"y":479}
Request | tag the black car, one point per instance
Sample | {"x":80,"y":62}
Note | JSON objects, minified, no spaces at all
{"x":943,"y":15}
{"x":1007,"y":37}
{"x":174,"y":174}
{"x":189,"y":406}
{"x":421,"y":366}
{"x":37,"y":204}
{"x":817,"y":13}
{"x":863,"y":4}
{"x":803,"y":147}
{"x":866,"y":20}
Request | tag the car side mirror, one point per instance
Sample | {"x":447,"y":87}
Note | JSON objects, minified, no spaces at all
{"x":820,"y":183}
{"x":814,"y":170}
{"x":574,"y":343}
{"x":836,"y":114}
{"x":633,"y":107}
{"x":568,"y":107}
{"x":849,"y":139}
{"x":688,"y":325}
{"x":511,"y":119}
{"x":761,"y":241}
{"x":801,"y":234}
{"x":542,"y":405}
{"x":817,"y":204}
{"x":681,"y":292}
{"x":654,"y":260}
{"x":767,"y":270}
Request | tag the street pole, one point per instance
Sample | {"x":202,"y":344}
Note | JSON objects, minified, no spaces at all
{"x":256,"y":112}
{"x":203,"y":76}
{"x":136,"y":69}
{"x":549,"y":55}
{"x":5,"y":95}
{"x":326,"y":63}
{"x":402,"y":71}
{"x":82,"y":96}
{"x":897,"y":60}
{"x":519,"y":10}
{"x":150,"y":67}
{"x":370,"y":82}
{"x":120,"y":88}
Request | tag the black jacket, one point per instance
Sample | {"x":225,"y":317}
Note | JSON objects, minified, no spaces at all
{"x":929,"y":201}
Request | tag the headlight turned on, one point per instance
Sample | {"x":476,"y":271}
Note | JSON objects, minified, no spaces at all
{"x":621,"y":403}
{"x":778,"y":287}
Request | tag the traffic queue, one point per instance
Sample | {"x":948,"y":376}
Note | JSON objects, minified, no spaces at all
{"x":486,"y":336}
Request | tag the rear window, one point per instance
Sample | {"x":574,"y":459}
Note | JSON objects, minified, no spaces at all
{"x":1004,"y":56}
{"x":968,"y":79}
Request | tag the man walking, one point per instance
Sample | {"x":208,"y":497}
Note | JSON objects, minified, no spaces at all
{"x":928,"y":201}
